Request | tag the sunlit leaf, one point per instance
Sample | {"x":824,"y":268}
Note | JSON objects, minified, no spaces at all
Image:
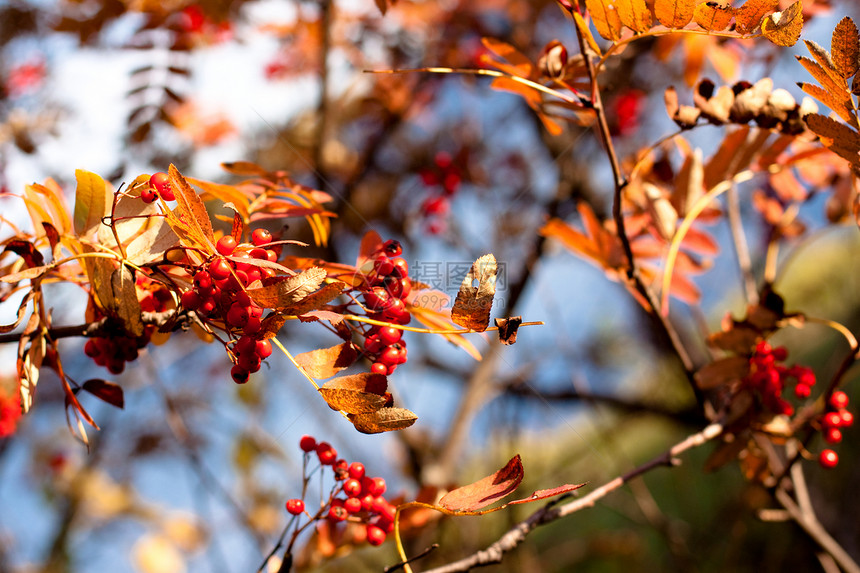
{"x":92,"y":201}
{"x":125,"y":305}
{"x":473,"y":304}
{"x":674,"y":13}
{"x":784,"y":28}
{"x":326,"y":362}
{"x":520,"y":65}
{"x":634,"y":14}
{"x":487,"y":490}
{"x":845,"y":45}
{"x":605,"y":18}
{"x":839,"y":106}
{"x":712,"y":16}
{"x":190,"y":217}
{"x":749,"y":16}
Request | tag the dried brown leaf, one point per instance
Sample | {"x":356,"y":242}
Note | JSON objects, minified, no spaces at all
{"x":125,"y":305}
{"x":473,"y":497}
{"x":473,"y":304}
{"x":545,"y":493}
{"x":190,"y":217}
{"x":508,"y":329}
{"x":356,"y":394}
{"x":722,"y":371}
{"x":326,"y":362}
{"x":845,"y":45}
{"x":674,"y":13}
{"x":289,"y":291}
{"x":837,"y":86}
{"x":841,"y":108}
{"x":383,"y":420}
{"x":106,"y":391}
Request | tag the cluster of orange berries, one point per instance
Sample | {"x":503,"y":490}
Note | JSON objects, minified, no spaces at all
{"x":384,"y":290}
{"x":357,"y":497}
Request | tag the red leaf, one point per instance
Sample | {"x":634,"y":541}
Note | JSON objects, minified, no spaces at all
{"x":105,"y":391}
{"x":485,"y":491}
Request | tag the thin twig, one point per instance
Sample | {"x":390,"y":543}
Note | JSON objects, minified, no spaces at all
{"x":739,"y":241}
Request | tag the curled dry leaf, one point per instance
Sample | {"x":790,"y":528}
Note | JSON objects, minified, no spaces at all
{"x":383,"y":420}
{"x":545,"y":493}
{"x":485,"y":491}
{"x":473,"y":304}
{"x":356,"y":394}
{"x":326,"y":362}
{"x":508,"y":329}
{"x":783,"y":28}
{"x":286,"y":293}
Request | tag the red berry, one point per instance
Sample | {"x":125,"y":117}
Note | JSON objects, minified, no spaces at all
{"x":391,"y":355}
{"x":383,"y":266}
{"x":226,"y":245}
{"x":367,"y":502}
{"x":264,"y":348}
{"x":190,"y":300}
{"x":375,"y":535}
{"x":372,"y":344}
{"x":356,"y":471}
{"x":389,"y":335}
{"x":91,"y":348}
{"x":395,"y":310}
{"x":376,"y":487}
{"x":436,"y":206}
{"x":161,"y":182}
{"x":832,"y":420}
{"x":839,"y":400}
{"x":833,"y":436}
{"x":260,"y":254}
{"x":392,"y":248}
{"x":401,"y":267}
{"x":253,"y":325}
{"x":238,"y":315}
{"x":148,"y":195}
{"x":802,"y":391}
{"x":352,"y":487}
{"x":295,"y":506}
{"x":340,"y":469}
{"x":352,"y":505}
{"x":326,"y":454}
{"x":337,"y":513}
{"x":308,"y":444}
{"x":219,"y":269}
{"x":451,"y":183}
{"x":780,"y":353}
{"x":806,"y":376}
{"x":261,"y":237}
{"x":239,"y":374}
{"x":828,"y":459}
{"x":202,"y":280}
{"x":377,"y":298}
{"x":846,"y":417}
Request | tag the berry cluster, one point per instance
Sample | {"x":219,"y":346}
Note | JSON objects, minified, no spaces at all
{"x":768,"y":378}
{"x":114,"y":351}
{"x":445,"y":175}
{"x":159,"y":186}
{"x":832,"y":422}
{"x":384,"y":290}
{"x":218,"y":293}
{"x":356,"y":497}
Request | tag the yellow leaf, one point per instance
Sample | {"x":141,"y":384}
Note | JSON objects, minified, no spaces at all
{"x":91,"y":202}
{"x":605,"y":18}
{"x":783,"y":28}
{"x":674,"y":13}
{"x":749,"y":16}
{"x":712,"y":17}
{"x":522,"y":66}
{"x":634,"y":14}
{"x":157,"y":554}
{"x":845,"y":45}
{"x":585,"y":32}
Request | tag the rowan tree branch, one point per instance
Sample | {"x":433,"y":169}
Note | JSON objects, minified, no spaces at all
{"x":549,"y":513}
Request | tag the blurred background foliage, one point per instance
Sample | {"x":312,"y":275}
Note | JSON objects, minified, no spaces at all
{"x":193,"y":474}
